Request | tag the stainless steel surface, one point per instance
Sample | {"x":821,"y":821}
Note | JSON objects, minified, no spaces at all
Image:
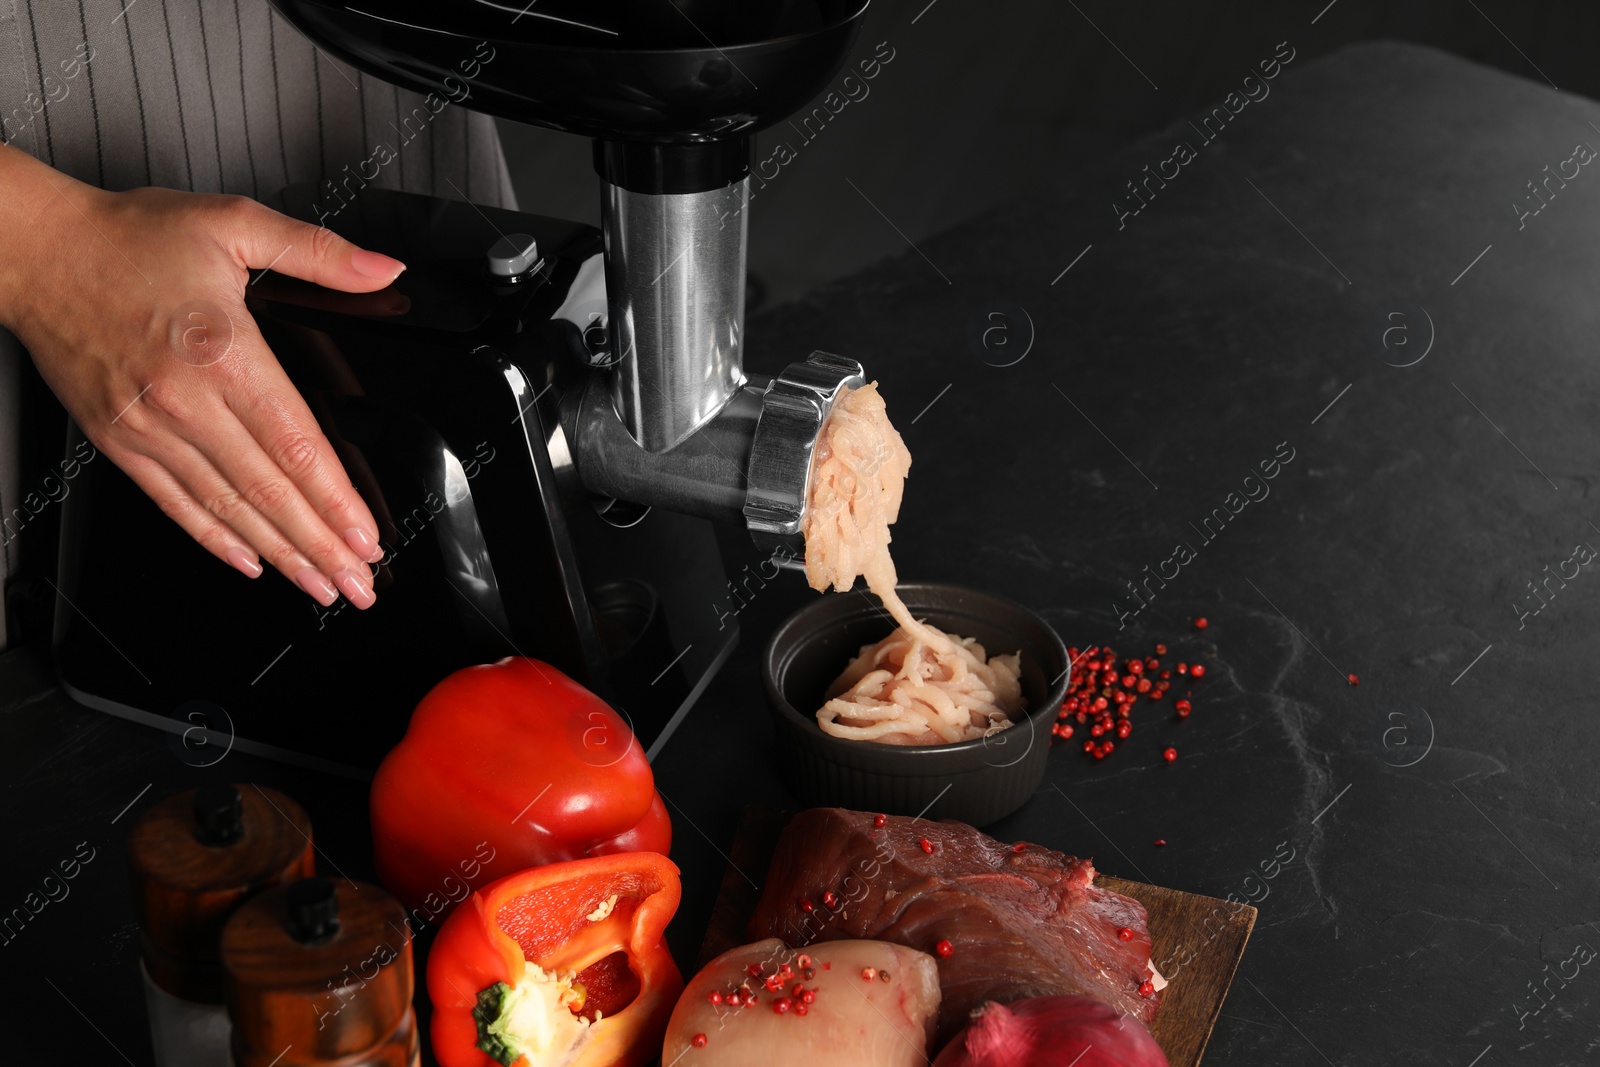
{"x":512,"y":255}
{"x":704,"y":476}
{"x":795,"y":407}
{"x":675,"y":281}
{"x":751,"y":462}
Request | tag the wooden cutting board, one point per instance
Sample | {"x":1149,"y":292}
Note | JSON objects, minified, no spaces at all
{"x":1202,"y":937}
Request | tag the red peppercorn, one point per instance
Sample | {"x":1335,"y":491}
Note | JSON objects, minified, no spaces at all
{"x":1165,"y":675}
{"x":1355,"y":679}
{"x":830,"y":900}
{"x":800,"y":1009}
{"x":1146,"y":989}
{"x":1019,"y":847}
{"x":782,"y":1005}
{"x":698,"y":1041}
{"x":749,"y":999}
{"x":1159,"y":841}
{"x":878,"y":820}
{"x":807,"y":996}
{"x":1124,"y":728}
{"x":1144,"y":685}
{"x":1096,"y":730}
{"x":734,"y":1000}
{"x":1201,"y":623}
{"x":926,"y":845}
{"x":1135,"y":666}
{"x":715,"y":997}
{"x":1161,"y":650}
{"x":1184,"y":707}
{"x":1066,"y":730}
{"x":1124,"y":934}
{"x":754,"y":970}
{"x":944,"y":949}
{"x":1152,"y":663}
{"x":1197,"y":671}
{"x":869,"y":973}
{"x":1088,"y":746}
{"x":1170,"y":755}
{"x":807,"y":907}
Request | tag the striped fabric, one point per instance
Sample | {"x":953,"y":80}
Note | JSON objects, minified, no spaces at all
{"x":208,"y":96}
{"x":218,"y":96}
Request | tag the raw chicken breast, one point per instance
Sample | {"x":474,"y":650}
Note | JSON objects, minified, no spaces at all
{"x":858,"y":1002}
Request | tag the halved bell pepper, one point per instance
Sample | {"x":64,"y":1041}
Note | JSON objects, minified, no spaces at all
{"x":558,"y":966}
{"x":507,"y":766}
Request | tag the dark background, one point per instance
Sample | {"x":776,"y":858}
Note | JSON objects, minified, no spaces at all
{"x":989,"y":101}
{"x":1409,"y":923}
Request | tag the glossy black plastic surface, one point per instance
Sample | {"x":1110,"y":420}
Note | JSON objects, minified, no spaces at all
{"x":650,"y":70}
{"x":977,"y":781}
{"x":440,"y":395}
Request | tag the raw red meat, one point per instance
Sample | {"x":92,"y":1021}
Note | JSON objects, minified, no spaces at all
{"x":1019,"y":924}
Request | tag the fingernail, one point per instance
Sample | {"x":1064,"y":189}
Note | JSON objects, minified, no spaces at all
{"x":319,"y":588}
{"x":244,"y":562}
{"x":355,"y":590}
{"x":362,"y":544}
{"x":376,"y":265}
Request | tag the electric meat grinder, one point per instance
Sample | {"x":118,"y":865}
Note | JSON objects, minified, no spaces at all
{"x":546,"y":420}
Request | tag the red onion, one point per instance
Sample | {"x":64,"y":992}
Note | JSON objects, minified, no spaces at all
{"x":1052,"y":1032}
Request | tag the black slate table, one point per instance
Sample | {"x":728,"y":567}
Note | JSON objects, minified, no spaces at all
{"x":1348,"y":280}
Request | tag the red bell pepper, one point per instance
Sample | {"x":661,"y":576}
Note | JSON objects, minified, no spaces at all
{"x":503,"y":767}
{"x":560,"y":964}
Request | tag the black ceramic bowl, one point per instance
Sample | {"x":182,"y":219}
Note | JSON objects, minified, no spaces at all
{"x":977,"y":781}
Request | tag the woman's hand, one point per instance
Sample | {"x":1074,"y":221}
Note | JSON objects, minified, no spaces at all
{"x":132,"y":306}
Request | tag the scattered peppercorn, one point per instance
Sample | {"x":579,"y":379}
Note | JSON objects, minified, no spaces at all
{"x":869,"y":973}
{"x":879,"y":820}
{"x":1019,"y":847}
{"x":1159,"y":841}
{"x":1201,"y":623}
{"x":830,"y":900}
{"x":807,"y":996}
{"x":944,"y":949}
{"x":1197,"y":671}
{"x":1170,"y":755}
{"x":782,"y":1005}
{"x":807,"y":907}
{"x":800,"y":1009}
{"x":715,"y":997}
{"x":698,"y":1041}
{"x":754,"y":970}
{"x":1124,"y":934}
{"x":1146,"y":988}
{"x":925,"y":845}
{"x":1355,"y":679}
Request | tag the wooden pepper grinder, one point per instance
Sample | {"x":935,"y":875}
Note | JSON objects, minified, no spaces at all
{"x":319,"y":973}
{"x":195,"y":857}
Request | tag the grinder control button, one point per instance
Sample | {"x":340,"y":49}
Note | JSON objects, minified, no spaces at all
{"x":513,"y":255}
